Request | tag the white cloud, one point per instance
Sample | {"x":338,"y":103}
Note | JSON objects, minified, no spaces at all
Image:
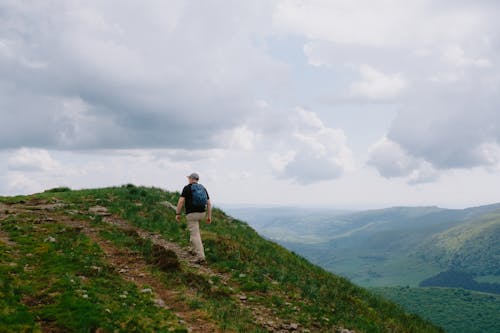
{"x":441,"y":75}
{"x":279,"y":161}
{"x":381,"y":23}
{"x":173,"y":78}
{"x":311,"y":152}
{"x":26,"y":159}
{"x":425,"y":173}
{"x":101,"y":99}
{"x":21,"y":184}
{"x":239,"y":138}
{"x":455,"y":55}
{"x":377,"y":85}
{"x":391,"y":160}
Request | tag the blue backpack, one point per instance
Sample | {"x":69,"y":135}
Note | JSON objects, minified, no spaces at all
{"x":200,"y":196}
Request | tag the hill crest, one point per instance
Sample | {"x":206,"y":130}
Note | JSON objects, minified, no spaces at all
{"x":249,"y":284}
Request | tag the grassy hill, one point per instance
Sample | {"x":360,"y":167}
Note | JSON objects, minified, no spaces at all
{"x":394,"y":246}
{"x":472,"y":246}
{"x":115,"y":260}
{"x":448,"y":307}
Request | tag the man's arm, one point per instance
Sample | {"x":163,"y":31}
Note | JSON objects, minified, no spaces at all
{"x":178,"y":210}
{"x":209,"y":212}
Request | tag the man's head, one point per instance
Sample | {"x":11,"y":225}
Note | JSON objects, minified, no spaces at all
{"x":193,"y":178}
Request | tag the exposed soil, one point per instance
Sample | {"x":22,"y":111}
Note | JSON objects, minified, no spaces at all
{"x":137,"y":269}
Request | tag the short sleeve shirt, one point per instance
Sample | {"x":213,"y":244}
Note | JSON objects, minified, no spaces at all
{"x":187,"y":194}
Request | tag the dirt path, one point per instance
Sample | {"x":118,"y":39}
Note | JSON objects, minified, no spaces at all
{"x":133,"y":267}
{"x":264,"y":316}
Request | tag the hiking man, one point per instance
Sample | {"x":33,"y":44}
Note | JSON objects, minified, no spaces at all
{"x":195,"y":197}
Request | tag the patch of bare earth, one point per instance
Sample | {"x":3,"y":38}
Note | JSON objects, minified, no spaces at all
{"x":134,"y":267}
{"x":131,"y":266}
{"x":4,"y":213}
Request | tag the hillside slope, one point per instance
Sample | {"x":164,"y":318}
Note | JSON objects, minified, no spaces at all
{"x":457,"y":310}
{"x":472,"y":246}
{"x":115,"y":260}
{"x":393,"y":246}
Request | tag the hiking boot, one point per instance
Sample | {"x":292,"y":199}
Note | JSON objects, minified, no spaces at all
{"x":201,"y":261}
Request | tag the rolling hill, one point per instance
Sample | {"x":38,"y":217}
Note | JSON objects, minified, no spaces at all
{"x":471,"y":247}
{"x":115,"y":260}
{"x":394,"y":246}
{"x":391,"y":249}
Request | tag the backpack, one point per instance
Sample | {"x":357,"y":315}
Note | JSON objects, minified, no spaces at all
{"x":200,"y":196}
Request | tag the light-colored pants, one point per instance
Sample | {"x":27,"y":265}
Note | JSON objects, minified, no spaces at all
{"x":193,"y":222}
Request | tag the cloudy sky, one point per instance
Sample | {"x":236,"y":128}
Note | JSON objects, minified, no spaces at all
{"x":322,"y":102}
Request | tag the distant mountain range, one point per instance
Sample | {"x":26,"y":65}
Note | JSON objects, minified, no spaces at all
{"x":393,"y":246}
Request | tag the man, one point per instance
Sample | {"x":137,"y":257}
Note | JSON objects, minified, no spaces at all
{"x":195,"y":197}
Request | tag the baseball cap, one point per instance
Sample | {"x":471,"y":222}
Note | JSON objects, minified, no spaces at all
{"x":194,"y":175}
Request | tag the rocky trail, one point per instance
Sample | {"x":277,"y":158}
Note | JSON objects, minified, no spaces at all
{"x":135,"y":268}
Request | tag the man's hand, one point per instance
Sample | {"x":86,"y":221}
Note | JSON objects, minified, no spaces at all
{"x":209,"y":219}
{"x":180,"y":203}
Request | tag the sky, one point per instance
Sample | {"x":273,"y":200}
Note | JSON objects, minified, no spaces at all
{"x":344,"y":104}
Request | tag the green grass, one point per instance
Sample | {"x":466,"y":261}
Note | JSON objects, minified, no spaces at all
{"x":66,"y":285}
{"x":268,"y":274}
{"x":448,"y":307}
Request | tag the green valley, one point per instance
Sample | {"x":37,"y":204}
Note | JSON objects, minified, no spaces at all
{"x":396,"y":250}
{"x":387,"y":247}
{"x":457,"y":310}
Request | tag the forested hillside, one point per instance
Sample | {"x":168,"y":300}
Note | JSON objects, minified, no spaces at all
{"x":457,"y":310}
{"x":394,"y":246}
{"x":472,"y":247}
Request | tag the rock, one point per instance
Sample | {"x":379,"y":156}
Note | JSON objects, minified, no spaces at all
{"x":50,"y":239}
{"x":147,"y":291}
{"x":159,"y":302}
{"x":99,"y":210}
{"x":243,"y":298}
{"x":294,"y":326}
{"x":167,"y":204}
{"x":96,"y":269}
{"x":344,"y":330}
{"x":53,"y":206}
